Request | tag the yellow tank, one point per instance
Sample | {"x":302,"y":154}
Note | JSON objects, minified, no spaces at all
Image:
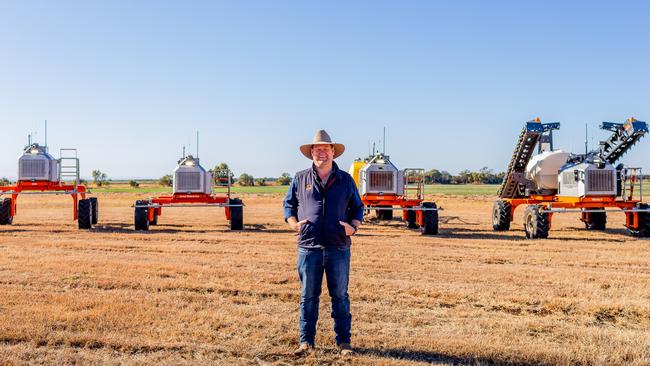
{"x":354,"y":171}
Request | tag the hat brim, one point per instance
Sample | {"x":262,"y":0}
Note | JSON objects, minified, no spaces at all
{"x":338,"y":149}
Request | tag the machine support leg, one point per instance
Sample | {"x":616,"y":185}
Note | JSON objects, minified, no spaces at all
{"x":512,"y":211}
{"x":151,"y":214}
{"x":419,"y":217}
{"x":75,"y":200}
{"x":14,"y":198}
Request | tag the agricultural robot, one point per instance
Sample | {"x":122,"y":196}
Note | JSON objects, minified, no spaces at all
{"x":40,"y":173}
{"x":192,"y":187}
{"x":554,"y":181}
{"x":385,"y":188}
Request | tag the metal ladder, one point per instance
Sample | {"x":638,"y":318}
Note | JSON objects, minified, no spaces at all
{"x":528,"y":138}
{"x":413,"y":183}
{"x":69,"y":166}
{"x":635,"y":178}
{"x":624,"y":137}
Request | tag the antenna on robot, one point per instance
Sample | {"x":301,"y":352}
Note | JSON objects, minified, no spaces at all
{"x":586,"y":140}
{"x":46,"y":136}
{"x":197,"y":144}
{"x":183,"y":151}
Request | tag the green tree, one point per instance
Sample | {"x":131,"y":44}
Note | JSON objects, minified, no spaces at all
{"x":220,"y":174}
{"x":445,"y":177}
{"x":284,"y":180}
{"x":432,"y":176}
{"x":166,"y":180}
{"x":134,"y":184}
{"x":4,"y":181}
{"x":463,"y":177}
{"x":99,"y":178}
{"x":246,"y":180}
{"x":260,"y":182}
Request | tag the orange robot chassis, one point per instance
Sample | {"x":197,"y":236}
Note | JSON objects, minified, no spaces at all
{"x":48,"y":187}
{"x":147,"y":211}
{"x":635,"y":211}
{"x":413,"y":210}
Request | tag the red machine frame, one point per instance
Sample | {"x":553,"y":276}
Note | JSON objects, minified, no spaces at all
{"x":41,"y":187}
{"x":404,"y":202}
{"x":586,"y":205}
{"x":155,"y":205}
{"x":188,"y":200}
{"x":378,"y":201}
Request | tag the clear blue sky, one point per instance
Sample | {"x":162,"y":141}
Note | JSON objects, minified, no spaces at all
{"x":128,"y":83}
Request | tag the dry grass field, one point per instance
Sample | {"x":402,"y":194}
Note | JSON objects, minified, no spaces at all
{"x":192,"y":292}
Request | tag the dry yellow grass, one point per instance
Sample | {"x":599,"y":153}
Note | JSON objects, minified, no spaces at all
{"x":192,"y":292}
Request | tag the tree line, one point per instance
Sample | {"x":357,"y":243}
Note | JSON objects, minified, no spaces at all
{"x":484,"y":176}
{"x":221,"y":172}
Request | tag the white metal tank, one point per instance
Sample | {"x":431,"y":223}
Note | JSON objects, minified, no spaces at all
{"x":36,"y":164}
{"x":380,"y":176}
{"x":587,"y":179}
{"x":190,"y":177}
{"x":543,"y":169}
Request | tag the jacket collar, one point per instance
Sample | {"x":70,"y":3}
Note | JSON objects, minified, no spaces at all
{"x":336,"y":173}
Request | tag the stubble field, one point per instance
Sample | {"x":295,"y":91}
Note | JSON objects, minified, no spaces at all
{"x":192,"y":292}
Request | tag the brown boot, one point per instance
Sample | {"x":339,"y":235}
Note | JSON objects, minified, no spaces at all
{"x":303,"y":349}
{"x":345,"y":349}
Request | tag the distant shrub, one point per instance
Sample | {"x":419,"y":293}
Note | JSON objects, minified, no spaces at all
{"x":284,"y":180}
{"x":246,"y":180}
{"x":166,"y":180}
{"x":100,"y":178}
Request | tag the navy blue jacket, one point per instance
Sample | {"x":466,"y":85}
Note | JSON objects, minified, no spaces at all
{"x":323,"y":205}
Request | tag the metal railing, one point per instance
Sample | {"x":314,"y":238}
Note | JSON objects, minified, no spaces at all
{"x":414,"y":183}
{"x":69,"y":166}
{"x":635,"y":178}
{"x":222,"y":179}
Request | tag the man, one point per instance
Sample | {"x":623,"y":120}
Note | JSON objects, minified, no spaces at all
{"x":324,"y":207}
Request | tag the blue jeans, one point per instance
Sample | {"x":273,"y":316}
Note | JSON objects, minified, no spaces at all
{"x":335,"y":263}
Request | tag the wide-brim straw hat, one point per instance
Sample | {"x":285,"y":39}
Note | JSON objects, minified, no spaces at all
{"x":322,"y":138}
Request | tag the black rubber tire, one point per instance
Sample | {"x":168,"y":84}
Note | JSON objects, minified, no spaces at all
{"x":384,"y":214}
{"x":536,"y":223}
{"x":644,"y":223}
{"x":85,"y":214}
{"x":5,"y":211}
{"x":430,"y":226}
{"x":410,"y":220}
{"x":501,"y":215}
{"x":597,"y":221}
{"x":236,"y":215}
{"x":141,"y":216}
{"x":93,"y":201}
{"x":154,"y":222}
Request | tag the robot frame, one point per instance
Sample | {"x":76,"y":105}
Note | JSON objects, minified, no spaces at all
{"x":554,"y":181}
{"x":41,"y":173}
{"x":192,"y":187}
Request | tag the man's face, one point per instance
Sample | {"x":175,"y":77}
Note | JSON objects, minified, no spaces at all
{"x":322,"y":154}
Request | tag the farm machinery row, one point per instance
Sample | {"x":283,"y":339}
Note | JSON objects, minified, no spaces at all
{"x":41,"y":173}
{"x":548,"y":182}
{"x":554,"y":181}
{"x":382,"y":186}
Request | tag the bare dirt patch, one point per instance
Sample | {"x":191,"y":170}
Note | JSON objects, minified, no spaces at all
{"x":193,"y":292}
